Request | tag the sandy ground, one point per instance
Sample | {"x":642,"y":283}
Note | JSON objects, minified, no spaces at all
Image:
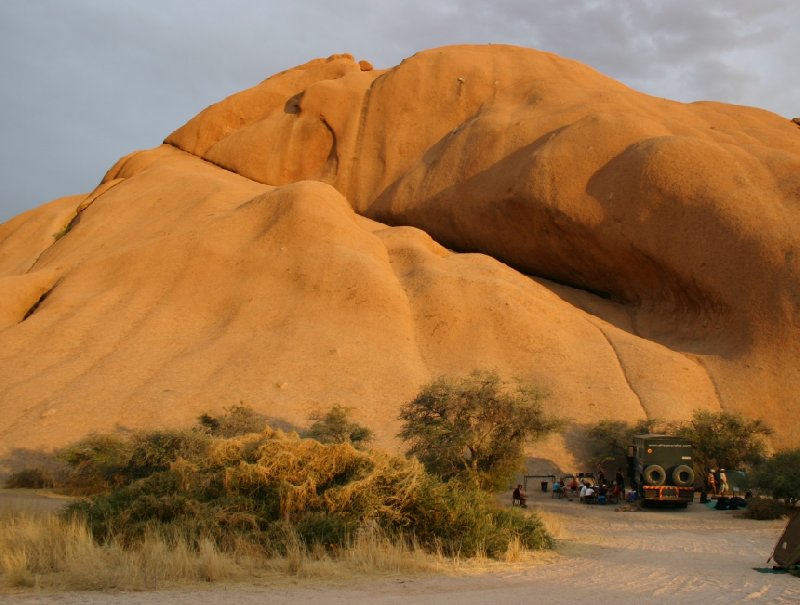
{"x":692,"y":556}
{"x":31,"y":501}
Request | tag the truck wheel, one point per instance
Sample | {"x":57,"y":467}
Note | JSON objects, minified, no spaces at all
{"x":683,"y":476}
{"x":654,"y":475}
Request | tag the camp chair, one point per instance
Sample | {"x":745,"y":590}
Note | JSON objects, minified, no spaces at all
{"x":518,"y":502}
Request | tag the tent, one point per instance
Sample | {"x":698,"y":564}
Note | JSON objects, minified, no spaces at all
{"x":787,"y":551}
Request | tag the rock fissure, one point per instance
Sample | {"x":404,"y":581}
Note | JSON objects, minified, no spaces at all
{"x":35,"y":306}
{"x":87,"y":202}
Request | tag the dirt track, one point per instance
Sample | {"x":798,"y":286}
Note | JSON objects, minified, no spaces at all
{"x":688,"y":557}
{"x":30,"y":501}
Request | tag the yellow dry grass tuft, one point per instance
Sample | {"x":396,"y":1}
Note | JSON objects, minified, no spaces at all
{"x":555,"y":524}
{"x":47,"y":552}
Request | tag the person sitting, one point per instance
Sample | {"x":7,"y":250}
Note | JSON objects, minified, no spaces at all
{"x":518,"y":497}
{"x":602,"y":493}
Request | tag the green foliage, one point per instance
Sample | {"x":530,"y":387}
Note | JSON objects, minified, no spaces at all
{"x":474,"y":427}
{"x":725,"y":440}
{"x":33,"y":478}
{"x":330,"y":530}
{"x":335,"y":426}
{"x":465,"y":521}
{"x":609,"y":439}
{"x":97,"y":462}
{"x":765,"y":509}
{"x":237,"y":420}
{"x":157,"y":450}
{"x":780,"y":476}
{"x":253,"y":491}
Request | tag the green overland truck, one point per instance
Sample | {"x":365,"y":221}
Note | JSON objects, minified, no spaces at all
{"x":660,"y":467}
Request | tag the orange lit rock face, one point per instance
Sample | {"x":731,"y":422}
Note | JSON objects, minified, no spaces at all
{"x":635,"y":256}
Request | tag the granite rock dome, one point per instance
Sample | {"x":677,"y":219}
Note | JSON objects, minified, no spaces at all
{"x":340,"y":234}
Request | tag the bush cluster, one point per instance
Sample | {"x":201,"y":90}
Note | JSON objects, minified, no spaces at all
{"x":252,"y":491}
{"x":33,"y":478}
{"x":240,"y":484}
{"x":780,"y":476}
{"x":765,"y":509}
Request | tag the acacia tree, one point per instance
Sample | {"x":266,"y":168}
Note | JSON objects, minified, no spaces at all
{"x":724,"y":439}
{"x":474,"y":427}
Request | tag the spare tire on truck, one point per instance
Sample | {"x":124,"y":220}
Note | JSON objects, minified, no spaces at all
{"x":654,"y":475}
{"x":683,"y":476}
{"x":663,"y":465}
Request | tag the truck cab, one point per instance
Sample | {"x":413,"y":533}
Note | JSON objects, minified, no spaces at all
{"x":660,"y":467}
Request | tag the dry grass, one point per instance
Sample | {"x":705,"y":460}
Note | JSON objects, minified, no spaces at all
{"x":555,"y":525}
{"x":47,"y":552}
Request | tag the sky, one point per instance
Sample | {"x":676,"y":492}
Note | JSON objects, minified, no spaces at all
{"x":84,"y":82}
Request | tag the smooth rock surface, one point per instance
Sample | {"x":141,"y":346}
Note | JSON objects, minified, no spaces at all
{"x":338,"y":234}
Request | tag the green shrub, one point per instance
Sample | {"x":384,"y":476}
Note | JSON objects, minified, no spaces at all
{"x":97,"y":462}
{"x":34,"y":478}
{"x":335,"y":426}
{"x":765,"y":508}
{"x":100,"y":463}
{"x":780,"y":476}
{"x":327,"y":529}
{"x":465,"y":521}
{"x":155,"y":451}
{"x":237,"y":420}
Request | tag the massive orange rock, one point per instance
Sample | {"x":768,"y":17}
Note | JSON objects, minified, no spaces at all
{"x":338,"y":234}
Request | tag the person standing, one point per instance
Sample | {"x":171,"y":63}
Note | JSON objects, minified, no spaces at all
{"x":711,"y":482}
{"x":573,"y":486}
{"x":620,"y":479}
{"x":723,"y":481}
